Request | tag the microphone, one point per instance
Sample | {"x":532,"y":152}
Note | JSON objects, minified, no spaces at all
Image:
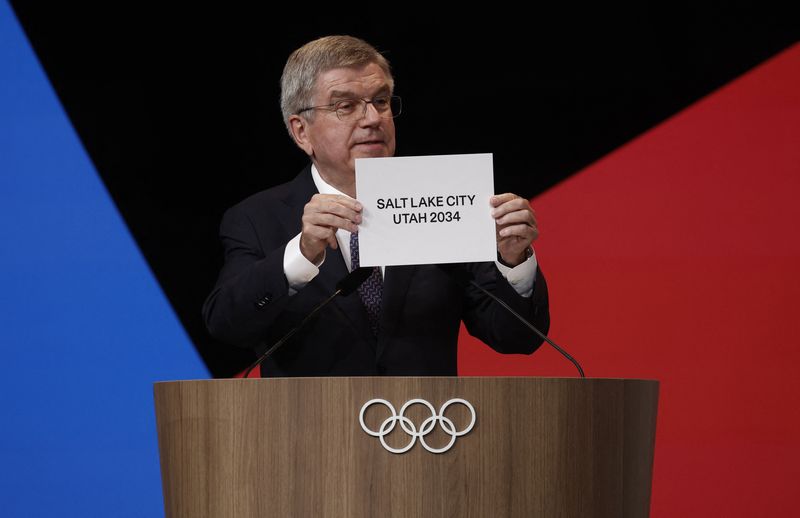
{"x":466,"y":277}
{"x":345,"y":286}
{"x":351,"y":281}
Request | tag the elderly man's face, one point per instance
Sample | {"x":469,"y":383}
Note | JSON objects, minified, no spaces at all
{"x":334,"y":144}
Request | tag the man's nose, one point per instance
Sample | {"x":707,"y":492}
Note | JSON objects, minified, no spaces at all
{"x":371,"y":115}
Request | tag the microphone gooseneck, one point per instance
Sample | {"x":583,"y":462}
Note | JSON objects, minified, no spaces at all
{"x":530,"y":326}
{"x":345,"y":287}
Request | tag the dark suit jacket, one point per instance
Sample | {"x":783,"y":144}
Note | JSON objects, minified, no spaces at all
{"x":422,"y":305}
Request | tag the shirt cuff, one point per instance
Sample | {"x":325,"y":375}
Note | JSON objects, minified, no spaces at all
{"x":299,"y":271}
{"x":522,"y":276}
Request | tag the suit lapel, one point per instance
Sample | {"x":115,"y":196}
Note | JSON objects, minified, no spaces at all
{"x":333,"y":269}
{"x":302,"y":189}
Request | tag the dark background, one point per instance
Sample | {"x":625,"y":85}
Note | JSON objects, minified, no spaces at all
{"x":178,"y":108}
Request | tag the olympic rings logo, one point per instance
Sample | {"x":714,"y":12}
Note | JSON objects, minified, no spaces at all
{"x":408,"y":426}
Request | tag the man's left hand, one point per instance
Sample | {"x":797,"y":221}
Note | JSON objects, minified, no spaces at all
{"x":515,"y":223}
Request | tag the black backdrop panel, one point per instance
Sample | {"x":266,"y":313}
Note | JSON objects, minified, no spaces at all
{"x":178,"y":109}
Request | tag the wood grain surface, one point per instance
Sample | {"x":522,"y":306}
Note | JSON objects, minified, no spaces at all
{"x":293,"y":447}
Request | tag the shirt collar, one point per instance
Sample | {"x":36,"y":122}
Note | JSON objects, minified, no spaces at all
{"x":322,"y":186}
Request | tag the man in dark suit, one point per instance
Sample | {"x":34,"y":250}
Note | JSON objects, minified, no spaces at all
{"x":287,"y":247}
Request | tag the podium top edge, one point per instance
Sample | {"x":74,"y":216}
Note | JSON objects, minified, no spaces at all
{"x":389,"y":378}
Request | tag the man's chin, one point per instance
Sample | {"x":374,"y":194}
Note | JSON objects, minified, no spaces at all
{"x":371,"y":150}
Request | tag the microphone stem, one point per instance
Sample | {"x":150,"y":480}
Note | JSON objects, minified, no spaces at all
{"x":529,"y":326}
{"x":291,"y":333}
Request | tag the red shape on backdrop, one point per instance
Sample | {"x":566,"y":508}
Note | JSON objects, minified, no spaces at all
{"x":677,"y":258}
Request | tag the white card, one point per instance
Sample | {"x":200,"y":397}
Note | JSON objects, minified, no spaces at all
{"x":426,"y":210}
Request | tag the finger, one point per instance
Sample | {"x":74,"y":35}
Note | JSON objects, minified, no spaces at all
{"x":313,"y":241}
{"x":329,"y":221}
{"x":347,"y":201}
{"x":322,"y":235}
{"x":318,"y":234}
{"x":329,"y":206}
{"x":521,"y":230}
{"x":518,"y":216}
{"x":338,"y":199}
{"x":499,"y":199}
{"x":511,"y":205}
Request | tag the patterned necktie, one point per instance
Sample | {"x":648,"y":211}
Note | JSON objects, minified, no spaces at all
{"x":371,"y":290}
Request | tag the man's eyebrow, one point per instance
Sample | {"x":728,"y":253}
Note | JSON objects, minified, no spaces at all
{"x":348,"y":94}
{"x":342,"y":94}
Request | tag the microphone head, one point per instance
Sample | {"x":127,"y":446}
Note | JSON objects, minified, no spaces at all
{"x":353,"y":280}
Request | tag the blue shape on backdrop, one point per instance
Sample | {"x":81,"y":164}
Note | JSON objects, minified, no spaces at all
{"x":85,"y":327}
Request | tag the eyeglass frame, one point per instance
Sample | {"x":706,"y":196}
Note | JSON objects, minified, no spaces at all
{"x":332,"y":106}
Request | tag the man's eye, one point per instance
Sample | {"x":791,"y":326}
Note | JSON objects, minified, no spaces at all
{"x":381,"y":103}
{"x":347,"y":105}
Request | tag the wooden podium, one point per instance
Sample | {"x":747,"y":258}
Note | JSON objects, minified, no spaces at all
{"x":295,"y":447}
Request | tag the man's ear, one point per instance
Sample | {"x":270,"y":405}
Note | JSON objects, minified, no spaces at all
{"x":299,"y":129}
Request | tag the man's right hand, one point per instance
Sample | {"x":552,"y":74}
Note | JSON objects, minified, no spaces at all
{"x":322,"y":216}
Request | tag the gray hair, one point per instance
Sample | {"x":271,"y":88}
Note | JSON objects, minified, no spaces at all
{"x":312,"y":59}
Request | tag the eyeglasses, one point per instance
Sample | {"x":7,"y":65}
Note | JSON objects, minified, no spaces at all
{"x":348,"y":110}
